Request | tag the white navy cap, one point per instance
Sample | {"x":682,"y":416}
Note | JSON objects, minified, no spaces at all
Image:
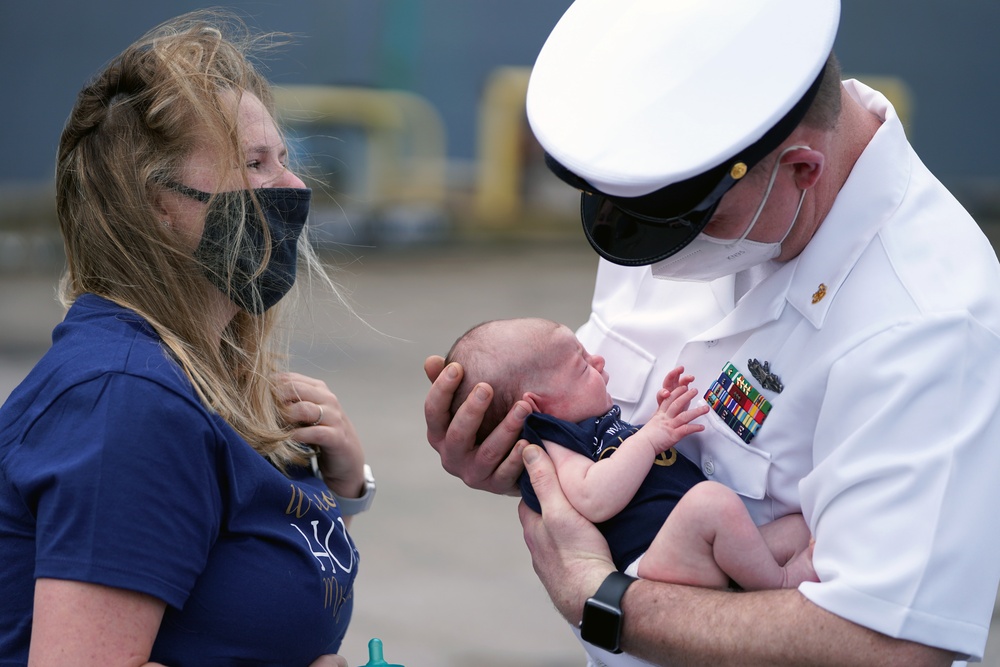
{"x":655,"y":108}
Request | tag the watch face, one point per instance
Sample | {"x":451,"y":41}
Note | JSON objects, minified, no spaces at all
{"x":602,"y":625}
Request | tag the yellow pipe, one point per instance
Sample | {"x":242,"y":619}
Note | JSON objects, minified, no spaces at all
{"x":502,"y":133}
{"x":406,"y":147}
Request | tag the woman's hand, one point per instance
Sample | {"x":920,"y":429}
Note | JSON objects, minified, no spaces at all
{"x":329,"y":660}
{"x":569,"y":554}
{"x":323,"y":424}
{"x":494,"y":465}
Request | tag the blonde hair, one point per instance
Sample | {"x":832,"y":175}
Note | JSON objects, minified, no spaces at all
{"x":130,"y":131}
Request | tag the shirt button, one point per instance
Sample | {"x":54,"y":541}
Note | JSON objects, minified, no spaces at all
{"x":708,"y":467}
{"x":711,"y":343}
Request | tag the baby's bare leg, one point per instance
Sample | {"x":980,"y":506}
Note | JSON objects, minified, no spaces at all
{"x":683,"y":550}
{"x":791,"y":544}
{"x":710,"y":537}
{"x":786,"y":537}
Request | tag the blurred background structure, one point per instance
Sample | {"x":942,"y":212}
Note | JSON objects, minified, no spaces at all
{"x":432,"y":197}
{"x":422,"y":133}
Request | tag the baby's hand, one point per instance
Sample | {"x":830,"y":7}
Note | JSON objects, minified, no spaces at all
{"x":672,"y":381}
{"x":674,"y":416}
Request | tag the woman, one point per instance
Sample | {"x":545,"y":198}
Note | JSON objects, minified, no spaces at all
{"x":158,"y":501}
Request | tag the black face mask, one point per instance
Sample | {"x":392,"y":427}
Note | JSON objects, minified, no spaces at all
{"x":247,"y":285}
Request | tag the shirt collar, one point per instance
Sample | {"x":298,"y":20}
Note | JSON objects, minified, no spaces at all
{"x":858,"y":213}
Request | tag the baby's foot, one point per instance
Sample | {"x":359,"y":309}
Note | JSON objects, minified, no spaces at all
{"x":800,"y":568}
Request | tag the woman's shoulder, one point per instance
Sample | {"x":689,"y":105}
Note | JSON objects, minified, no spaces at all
{"x":99,"y":336}
{"x":103,"y":358}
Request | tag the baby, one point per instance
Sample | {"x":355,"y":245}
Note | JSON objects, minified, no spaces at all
{"x":663,"y":520}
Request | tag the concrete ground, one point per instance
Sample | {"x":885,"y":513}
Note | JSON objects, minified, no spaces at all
{"x":445,"y":579}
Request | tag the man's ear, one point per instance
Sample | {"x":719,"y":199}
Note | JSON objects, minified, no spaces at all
{"x":808,"y":166}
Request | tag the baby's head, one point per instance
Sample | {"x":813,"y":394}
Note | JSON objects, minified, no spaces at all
{"x":534,"y":359}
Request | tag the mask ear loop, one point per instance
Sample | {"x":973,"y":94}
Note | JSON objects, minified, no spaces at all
{"x":767,"y":193}
{"x":795,"y":217}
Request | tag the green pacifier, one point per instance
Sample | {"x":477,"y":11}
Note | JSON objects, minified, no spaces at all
{"x":375,"y":655}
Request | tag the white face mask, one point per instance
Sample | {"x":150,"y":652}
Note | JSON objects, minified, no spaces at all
{"x":708,"y":258}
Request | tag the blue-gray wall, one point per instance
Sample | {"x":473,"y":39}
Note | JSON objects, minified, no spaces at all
{"x":948,"y":53}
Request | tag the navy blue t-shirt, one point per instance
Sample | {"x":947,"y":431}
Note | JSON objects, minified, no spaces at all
{"x":630,"y":532}
{"x":113,"y":472}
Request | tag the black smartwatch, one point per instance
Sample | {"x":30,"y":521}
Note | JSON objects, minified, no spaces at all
{"x":602,"y":614}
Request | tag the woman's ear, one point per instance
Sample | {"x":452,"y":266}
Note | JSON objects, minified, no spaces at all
{"x":163,"y":209}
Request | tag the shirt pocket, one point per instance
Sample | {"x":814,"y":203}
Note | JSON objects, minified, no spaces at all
{"x":726,"y":459}
{"x":628,"y":363}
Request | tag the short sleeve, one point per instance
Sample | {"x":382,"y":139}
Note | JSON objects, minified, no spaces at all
{"x":904,"y":486}
{"x":120,"y":473}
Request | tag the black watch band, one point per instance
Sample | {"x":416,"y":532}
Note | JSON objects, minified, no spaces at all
{"x":602,"y":613}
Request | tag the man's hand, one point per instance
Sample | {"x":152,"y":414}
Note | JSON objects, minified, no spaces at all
{"x":569,"y":554}
{"x":494,"y":465}
{"x":671,"y":624}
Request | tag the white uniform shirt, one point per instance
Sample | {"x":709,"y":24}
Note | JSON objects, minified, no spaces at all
{"x":884,"y":333}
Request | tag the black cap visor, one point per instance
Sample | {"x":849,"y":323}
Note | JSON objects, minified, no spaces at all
{"x":637,"y":231}
{"x":624,"y":237}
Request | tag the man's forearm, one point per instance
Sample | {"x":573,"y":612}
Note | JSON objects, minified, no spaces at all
{"x":680,"y":625}
{"x":669,"y":624}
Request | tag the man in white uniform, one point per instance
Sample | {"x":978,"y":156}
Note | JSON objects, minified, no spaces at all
{"x":772,"y":231}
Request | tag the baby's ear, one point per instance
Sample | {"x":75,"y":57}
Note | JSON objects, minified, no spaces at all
{"x":534,"y":400}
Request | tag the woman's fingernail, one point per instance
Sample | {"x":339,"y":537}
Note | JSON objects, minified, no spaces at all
{"x":530,"y":454}
{"x":482,"y":394}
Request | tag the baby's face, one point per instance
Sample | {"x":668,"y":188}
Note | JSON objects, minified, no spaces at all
{"x":578,"y":382}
